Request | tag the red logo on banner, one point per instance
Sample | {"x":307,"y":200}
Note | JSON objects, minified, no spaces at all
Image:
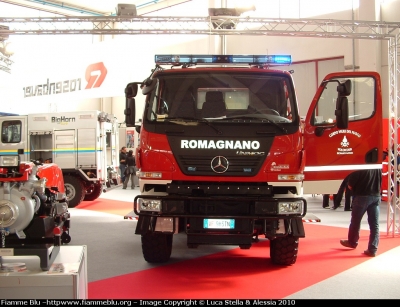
{"x":95,"y":75}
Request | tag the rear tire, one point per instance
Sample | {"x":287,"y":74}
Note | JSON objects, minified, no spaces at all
{"x":156,"y":247}
{"x":94,"y":193}
{"x":283,"y":250}
{"x":75,"y":190}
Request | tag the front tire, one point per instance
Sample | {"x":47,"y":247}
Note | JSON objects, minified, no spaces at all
{"x":75,"y":190}
{"x":156,"y":247}
{"x":283,"y":250}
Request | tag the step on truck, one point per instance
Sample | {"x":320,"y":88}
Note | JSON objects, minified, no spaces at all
{"x":84,"y":144}
{"x":224,"y":156}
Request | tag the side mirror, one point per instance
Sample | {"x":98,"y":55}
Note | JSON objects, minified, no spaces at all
{"x":342,"y":112}
{"x":342,"y":104}
{"x":131,"y":90}
{"x":344,"y":88}
{"x":130,"y":93}
{"x":137,"y":128}
{"x":130,"y":114}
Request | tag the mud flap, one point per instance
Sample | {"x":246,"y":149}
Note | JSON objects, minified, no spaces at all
{"x":297,"y":227}
{"x":143,"y":225}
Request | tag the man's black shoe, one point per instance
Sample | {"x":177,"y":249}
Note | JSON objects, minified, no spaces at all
{"x":334,"y":208}
{"x":346,"y":209}
{"x":368,"y":253}
{"x":346,"y":243}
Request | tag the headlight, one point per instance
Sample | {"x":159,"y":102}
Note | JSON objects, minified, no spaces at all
{"x":290,"y":207}
{"x":149,"y":204}
{"x":150,"y":175}
{"x":8,"y":161}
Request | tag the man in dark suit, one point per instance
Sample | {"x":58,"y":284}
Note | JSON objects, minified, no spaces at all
{"x":122,"y":162}
{"x":366,"y":188}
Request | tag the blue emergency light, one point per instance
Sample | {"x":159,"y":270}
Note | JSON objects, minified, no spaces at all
{"x":184,"y":59}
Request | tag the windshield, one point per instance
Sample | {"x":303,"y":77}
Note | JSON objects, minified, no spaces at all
{"x":223,"y":96}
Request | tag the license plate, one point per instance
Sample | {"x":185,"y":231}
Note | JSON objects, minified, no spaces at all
{"x":219,"y":224}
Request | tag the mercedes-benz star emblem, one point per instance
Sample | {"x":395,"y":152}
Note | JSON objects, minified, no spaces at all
{"x":219,"y":164}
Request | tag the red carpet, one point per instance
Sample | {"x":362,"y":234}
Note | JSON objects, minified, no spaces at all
{"x":236,"y":274}
{"x":243,"y":274}
{"x":107,"y":206}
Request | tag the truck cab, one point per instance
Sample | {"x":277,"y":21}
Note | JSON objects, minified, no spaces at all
{"x":224,"y":156}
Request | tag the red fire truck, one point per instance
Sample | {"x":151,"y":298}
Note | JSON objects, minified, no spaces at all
{"x":224,"y":156}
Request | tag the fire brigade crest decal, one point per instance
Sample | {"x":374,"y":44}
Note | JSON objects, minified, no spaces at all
{"x":344,"y":142}
{"x":344,"y":147}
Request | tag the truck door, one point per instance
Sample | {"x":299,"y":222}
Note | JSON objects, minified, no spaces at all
{"x":87,"y":147}
{"x":64,"y":154}
{"x":331,"y":153}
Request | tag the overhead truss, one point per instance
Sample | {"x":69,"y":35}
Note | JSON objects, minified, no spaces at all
{"x":214,"y":25}
{"x":393,"y":214}
{"x":232,"y":25}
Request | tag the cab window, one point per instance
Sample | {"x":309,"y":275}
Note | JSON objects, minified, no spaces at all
{"x":361,"y":101}
{"x":11,"y":131}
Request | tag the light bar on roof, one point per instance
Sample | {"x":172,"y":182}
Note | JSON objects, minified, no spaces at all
{"x":181,"y":59}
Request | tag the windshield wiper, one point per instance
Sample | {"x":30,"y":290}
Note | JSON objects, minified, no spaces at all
{"x":275,"y":124}
{"x":210,"y":124}
{"x":180,"y":118}
{"x":191,"y":119}
{"x":257,"y":117}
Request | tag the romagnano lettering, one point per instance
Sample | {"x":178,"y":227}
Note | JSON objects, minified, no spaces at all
{"x":221,"y":144}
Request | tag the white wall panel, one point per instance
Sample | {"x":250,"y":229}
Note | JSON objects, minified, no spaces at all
{"x":308,"y":75}
{"x":305,"y":80}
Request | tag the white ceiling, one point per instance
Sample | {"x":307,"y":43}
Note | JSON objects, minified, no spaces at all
{"x":86,"y":7}
{"x":83,"y":8}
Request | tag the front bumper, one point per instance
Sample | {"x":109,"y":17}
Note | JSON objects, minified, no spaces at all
{"x":221,"y":206}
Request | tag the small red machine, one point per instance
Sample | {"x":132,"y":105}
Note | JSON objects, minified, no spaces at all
{"x":34,"y":217}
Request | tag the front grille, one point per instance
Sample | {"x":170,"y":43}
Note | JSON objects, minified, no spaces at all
{"x":238,"y":165}
{"x":219,"y":188}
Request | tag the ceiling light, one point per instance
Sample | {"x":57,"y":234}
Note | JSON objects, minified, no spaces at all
{"x":219,"y":23}
{"x":126,"y":10}
{"x":6,"y":49}
{"x":229,"y":11}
